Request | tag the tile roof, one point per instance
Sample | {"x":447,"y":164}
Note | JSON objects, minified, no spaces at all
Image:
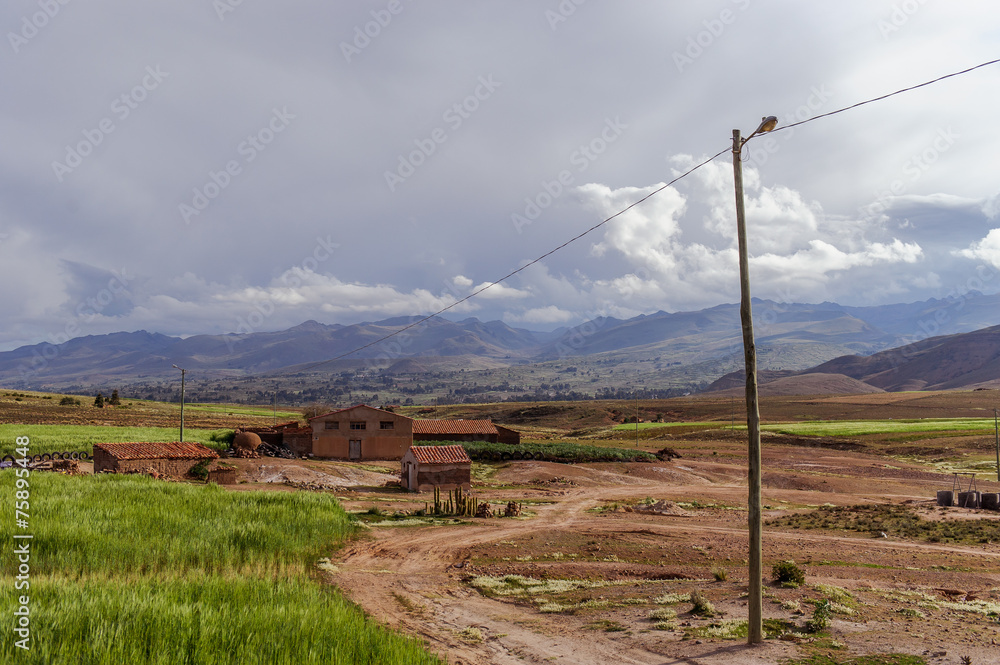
{"x":440,"y":454}
{"x":453,"y":427}
{"x":186,"y":450}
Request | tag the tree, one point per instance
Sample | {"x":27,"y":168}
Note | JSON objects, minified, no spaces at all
{"x":99,"y":401}
{"x":114,"y":401}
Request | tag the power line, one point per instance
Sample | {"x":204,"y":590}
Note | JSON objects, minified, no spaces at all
{"x":514,"y":272}
{"x":881,"y":97}
{"x":623,"y":211}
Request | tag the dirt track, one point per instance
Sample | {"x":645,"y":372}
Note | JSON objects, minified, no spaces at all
{"x":415,"y":579}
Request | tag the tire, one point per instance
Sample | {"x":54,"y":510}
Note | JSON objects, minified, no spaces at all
{"x":517,"y":455}
{"x":74,"y":455}
{"x":496,"y":457}
{"x":36,"y":458}
{"x":57,"y":456}
{"x":46,"y":457}
{"x":8,"y":458}
{"x":85,"y":456}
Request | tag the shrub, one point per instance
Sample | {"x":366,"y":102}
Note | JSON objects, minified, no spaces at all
{"x":720,"y":574}
{"x":663,"y":614}
{"x":788,"y":574}
{"x":700,"y":605}
{"x":820,"y":619}
{"x":69,"y":401}
{"x":200,"y":470}
{"x":99,"y":401}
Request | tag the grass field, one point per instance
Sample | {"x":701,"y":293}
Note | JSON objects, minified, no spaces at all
{"x":862,"y":427}
{"x":630,"y":427}
{"x":126,"y":569}
{"x":235,"y":409}
{"x":81,"y":438}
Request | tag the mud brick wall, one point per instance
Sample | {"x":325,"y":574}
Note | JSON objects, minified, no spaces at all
{"x":445,"y":476}
{"x":299,"y":440}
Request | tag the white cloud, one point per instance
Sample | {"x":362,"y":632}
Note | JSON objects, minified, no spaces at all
{"x":542,"y":315}
{"x":987,"y":249}
{"x":500,"y":291}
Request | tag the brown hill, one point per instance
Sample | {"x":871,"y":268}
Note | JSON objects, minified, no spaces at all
{"x":939,"y":363}
{"x":813,"y":383}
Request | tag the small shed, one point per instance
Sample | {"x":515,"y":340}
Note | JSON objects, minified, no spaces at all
{"x":427,"y":467}
{"x":172,"y":459}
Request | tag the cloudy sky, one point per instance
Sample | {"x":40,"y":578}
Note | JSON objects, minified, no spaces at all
{"x":235,"y":165}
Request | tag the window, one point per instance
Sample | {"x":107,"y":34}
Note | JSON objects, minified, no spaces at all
{"x":332,"y":424}
{"x":357,"y":424}
{"x":386,"y":424}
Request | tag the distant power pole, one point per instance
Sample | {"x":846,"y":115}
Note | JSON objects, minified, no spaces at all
{"x":996,"y":434}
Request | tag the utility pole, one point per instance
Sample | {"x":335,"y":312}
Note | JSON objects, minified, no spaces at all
{"x":183,"y":371}
{"x":996,"y":434}
{"x":755,"y":632}
{"x":637,"y":417}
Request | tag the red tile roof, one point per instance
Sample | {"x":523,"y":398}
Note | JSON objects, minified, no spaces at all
{"x":186,"y":450}
{"x":440,"y":454}
{"x":453,"y":427}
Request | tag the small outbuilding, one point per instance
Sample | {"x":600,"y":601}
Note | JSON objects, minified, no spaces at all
{"x":427,"y":467}
{"x":172,"y":459}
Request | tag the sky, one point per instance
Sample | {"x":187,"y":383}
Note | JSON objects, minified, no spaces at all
{"x":239,"y":166}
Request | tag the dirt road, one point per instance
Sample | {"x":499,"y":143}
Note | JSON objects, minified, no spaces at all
{"x":414,"y":579}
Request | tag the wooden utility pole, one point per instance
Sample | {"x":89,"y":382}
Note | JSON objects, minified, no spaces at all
{"x":996,"y":433}
{"x":755,"y":633}
{"x":183,"y":372}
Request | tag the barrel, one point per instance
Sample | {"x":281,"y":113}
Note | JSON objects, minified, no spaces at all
{"x":989,"y":501}
{"x":968,"y":499}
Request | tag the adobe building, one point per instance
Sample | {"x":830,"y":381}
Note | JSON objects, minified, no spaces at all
{"x":361,"y":432}
{"x":427,"y":467}
{"x":172,"y":459}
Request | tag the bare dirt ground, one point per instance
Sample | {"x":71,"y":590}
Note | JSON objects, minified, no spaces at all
{"x":892,"y":595}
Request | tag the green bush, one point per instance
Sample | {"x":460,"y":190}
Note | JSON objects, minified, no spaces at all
{"x":820,"y":619}
{"x":200,"y":470}
{"x":788,"y":574}
{"x":567,"y":453}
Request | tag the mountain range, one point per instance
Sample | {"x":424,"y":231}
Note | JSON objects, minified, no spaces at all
{"x":938,"y":344}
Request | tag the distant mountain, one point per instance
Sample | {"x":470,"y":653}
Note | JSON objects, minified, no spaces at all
{"x":93,"y":359}
{"x":681,"y":351}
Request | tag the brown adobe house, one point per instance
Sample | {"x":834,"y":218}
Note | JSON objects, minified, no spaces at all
{"x":172,"y":459}
{"x":363,"y":432}
{"x":427,"y":467}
